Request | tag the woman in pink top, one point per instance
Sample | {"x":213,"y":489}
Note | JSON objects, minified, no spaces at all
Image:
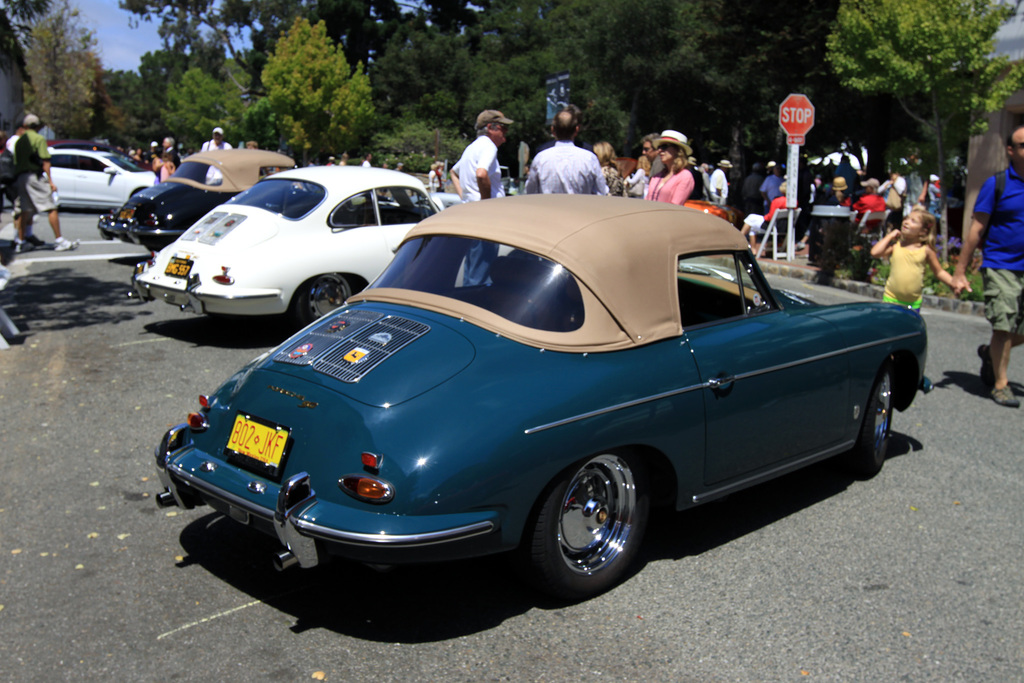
{"x":167,"y":168}
{"x":675,"y":183}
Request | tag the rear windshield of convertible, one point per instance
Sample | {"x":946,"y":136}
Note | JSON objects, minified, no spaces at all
{"x":521,"y":287}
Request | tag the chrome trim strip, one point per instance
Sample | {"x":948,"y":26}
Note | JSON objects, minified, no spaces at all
{"x":197,"y":483}
{"x":350,"y":537}
{"x":225,"y":297}
{"x":709,"y":384}
{"x":610,"y":409}
{"x":823,"y":356}
{"x":394,"y":540}
{"x":772,"y":473}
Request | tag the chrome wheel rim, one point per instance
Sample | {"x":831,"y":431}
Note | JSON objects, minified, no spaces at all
{"x":327,"y":293}
{"x":597,"y":513}
{"x":883,"y":412}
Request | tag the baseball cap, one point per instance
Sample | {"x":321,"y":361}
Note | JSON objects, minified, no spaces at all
{"x":30,"y":120}
{"x":489,"y":116}
{"x":218,"y":129}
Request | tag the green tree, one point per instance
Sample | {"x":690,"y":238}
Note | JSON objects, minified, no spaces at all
{"x":934,"y":56}
{"x":16,"y":20}
{"x":259,"y":123}
{"x":205,"y":29}
{"x":198,"y":103}
{"x":321,"y":104}
{"x":62,"y":66}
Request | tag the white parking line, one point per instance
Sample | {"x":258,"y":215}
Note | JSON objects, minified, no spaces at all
{"x":80,"y":257}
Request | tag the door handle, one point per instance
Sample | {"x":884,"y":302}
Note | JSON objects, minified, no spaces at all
{"x":717,"y":383}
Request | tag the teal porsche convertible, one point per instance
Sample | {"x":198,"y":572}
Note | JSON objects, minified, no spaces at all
{"x":535,"y":375}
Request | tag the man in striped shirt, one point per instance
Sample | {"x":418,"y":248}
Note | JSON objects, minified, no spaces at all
{"x":565,"y":168}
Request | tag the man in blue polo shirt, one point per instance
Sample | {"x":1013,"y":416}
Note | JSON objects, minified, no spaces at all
{"x":998,"y":222}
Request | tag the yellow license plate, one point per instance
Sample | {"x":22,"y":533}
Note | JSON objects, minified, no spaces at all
{"x":125,"y":214}
{"x":259,"y":440}
{"x":178,"y":267}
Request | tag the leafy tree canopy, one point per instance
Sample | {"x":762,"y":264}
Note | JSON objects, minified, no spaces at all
{"x":934,"y":56}
{"x":62,"y":66}
{"x":198,"y":103}
{"x":321,"y":104}
{"x":16,"y":20}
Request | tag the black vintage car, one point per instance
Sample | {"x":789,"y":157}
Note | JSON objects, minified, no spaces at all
{"x":158,"y":215}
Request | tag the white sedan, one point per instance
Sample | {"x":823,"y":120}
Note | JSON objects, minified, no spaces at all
{"x":298,"y":242}
{"x":96,"y":180}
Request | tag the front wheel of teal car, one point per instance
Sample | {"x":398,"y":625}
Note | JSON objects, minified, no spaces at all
{"x":588,"y":526}
{"x":868,"y":454}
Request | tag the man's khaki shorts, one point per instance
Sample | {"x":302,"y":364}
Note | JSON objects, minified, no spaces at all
{"x":1004,"y":299}
{"x":35,"y":194}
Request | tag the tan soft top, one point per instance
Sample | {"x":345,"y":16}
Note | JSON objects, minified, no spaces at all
{"x":624,"y":252}
{"x":240,"y":167}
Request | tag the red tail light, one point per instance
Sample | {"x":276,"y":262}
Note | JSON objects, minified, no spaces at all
{"x":197,"y":422}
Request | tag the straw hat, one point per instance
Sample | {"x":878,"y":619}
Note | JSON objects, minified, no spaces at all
{"x":674,"y":137}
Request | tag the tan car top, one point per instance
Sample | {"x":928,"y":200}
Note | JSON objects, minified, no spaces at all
{"x":240,"y":167}
{"x":624,"y":253}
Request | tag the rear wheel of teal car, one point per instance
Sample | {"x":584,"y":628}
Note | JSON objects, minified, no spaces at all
{"x":868,"y":454}
{"x":588,"y":526}
{"x":317,"y":297}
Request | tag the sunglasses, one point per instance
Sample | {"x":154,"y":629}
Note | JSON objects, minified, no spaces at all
{"x":665,"y":148}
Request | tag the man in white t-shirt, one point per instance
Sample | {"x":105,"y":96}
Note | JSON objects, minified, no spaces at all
{"x":477,"y":175}
{"x":217,"y":142}
{"x":718,"y":190}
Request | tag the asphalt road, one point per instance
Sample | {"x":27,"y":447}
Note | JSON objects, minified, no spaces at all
{"x":915,"y":575}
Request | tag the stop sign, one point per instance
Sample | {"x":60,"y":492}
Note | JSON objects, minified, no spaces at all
{"x":796,"y":116}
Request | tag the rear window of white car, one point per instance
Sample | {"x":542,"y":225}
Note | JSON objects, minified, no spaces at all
{"x":287,"y":197}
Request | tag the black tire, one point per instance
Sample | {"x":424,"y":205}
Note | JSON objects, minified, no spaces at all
{"x":587,"y":527}
{"x":317,"y":297}
{"x":868,"y":455}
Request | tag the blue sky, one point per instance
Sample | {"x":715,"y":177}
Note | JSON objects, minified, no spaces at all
{"x":120,"y":47}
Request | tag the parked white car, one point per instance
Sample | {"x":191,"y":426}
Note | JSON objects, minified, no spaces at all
{"x":298,"y":242}
{"x":96,"y":180}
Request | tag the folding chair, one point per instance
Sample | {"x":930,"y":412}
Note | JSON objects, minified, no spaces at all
{"x":773,"y":231}
{"x":880,"y":216}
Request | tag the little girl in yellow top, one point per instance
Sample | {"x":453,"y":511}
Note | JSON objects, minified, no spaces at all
{"x":908,"y":249}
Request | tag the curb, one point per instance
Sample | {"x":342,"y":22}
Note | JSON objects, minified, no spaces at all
{"x":941,"y":303}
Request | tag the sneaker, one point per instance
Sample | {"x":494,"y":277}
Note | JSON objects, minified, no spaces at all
{"x":20,"y":247}
{"x":987,"y":372}
{"x":1005,"y":397}
{"x":63,"y":244}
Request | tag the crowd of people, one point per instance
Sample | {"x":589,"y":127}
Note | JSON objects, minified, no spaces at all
{"x":666,"y":171}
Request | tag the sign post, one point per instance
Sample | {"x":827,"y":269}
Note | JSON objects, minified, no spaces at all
{"x":796,"y":117}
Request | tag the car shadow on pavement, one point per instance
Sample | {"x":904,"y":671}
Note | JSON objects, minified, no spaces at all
{"x":677,"y":535}
{"x":225,"y":333}
{"x":408,"y":604}
{"x":62,"y":299}
{"x":433,"y":602}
